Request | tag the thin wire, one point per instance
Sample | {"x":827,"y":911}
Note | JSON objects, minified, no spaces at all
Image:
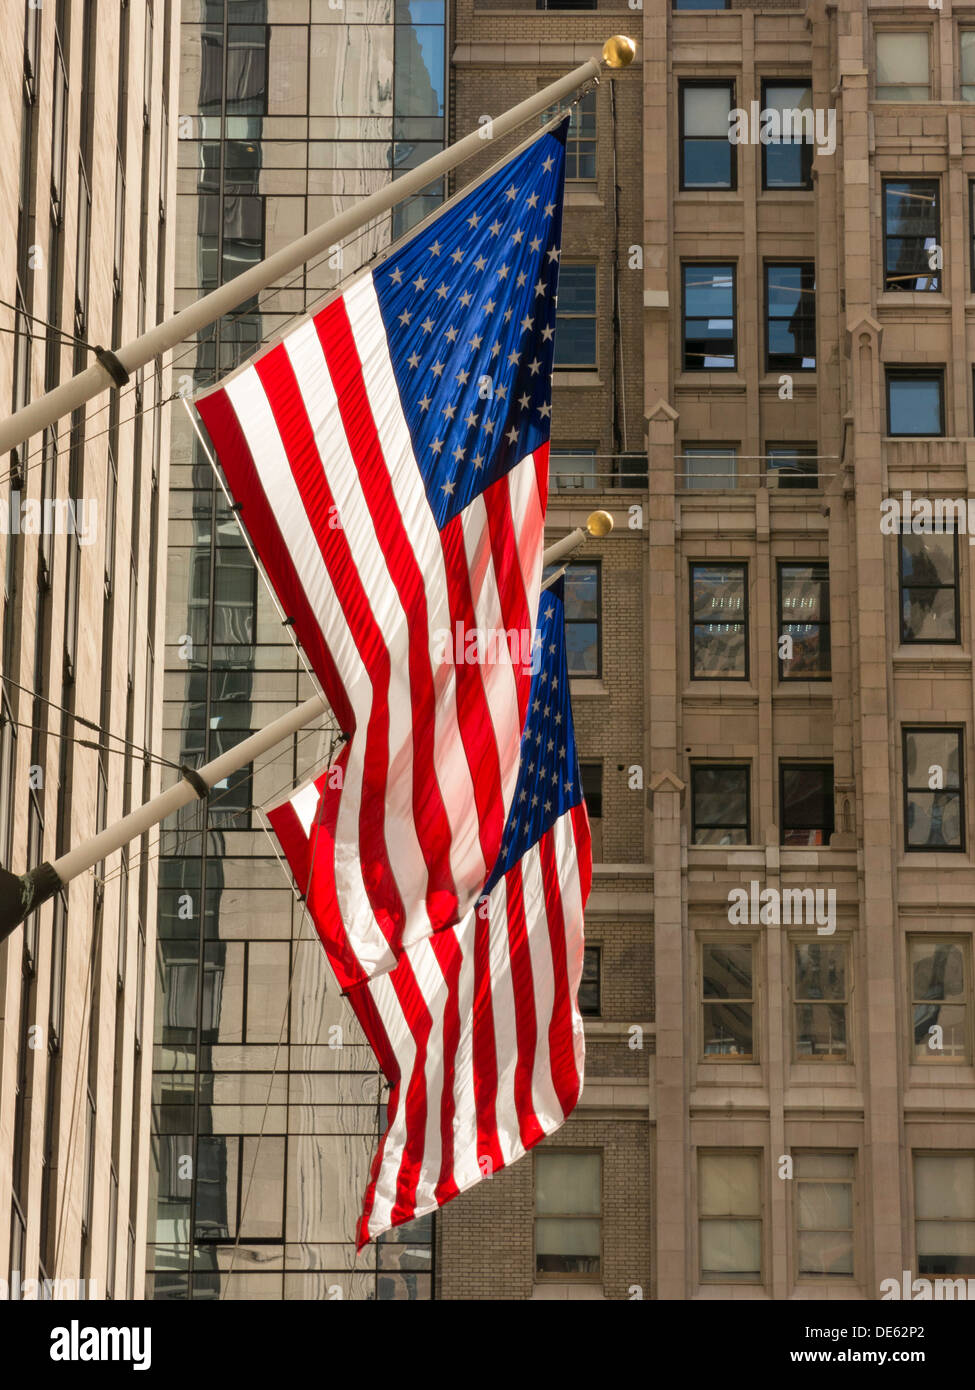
{"x":62,"y":332}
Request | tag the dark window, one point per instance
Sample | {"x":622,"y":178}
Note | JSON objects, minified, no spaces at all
{"x":911,"y":233}
{"x":934,"y":813}
{"x":582,"y":620}
{"x":727,"y":1000}
{"x":787,"y":158}
{"x":806,"y":803}
{"x":700,"y":4}
{"x":929,"y":587}
{"x":575,"y":327}
{"x":790,"y":301}
{"x":707,"y":156}
{"x":709,"y":317}
{"x":915,"y":402}
{"x":719,"y":804}
{"x":804,"y":618}
{"x":580,"y":144}
{"x":565,"y":4}
{"x":568,"y":1211}
{"x":821,"y":1000}
{"x":592,"y":788}
{"x":590,"y":982}
{"x":719,"y":622}
{"x":793,"y":465}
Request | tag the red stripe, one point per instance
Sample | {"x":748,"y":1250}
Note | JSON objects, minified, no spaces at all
{"x":473,"y":708}
{"x":484,"y":1052}
{"x":540,"y":456}
{"x":237,"y":463}
{"x":288,"y":407}
{"x":429,"y":814}
{"x":583,"y":838}
{"x":511,"y":587}
{"x":523,"y":988}
{"x":446,"y":948}
{"x":565,"y":1077}
{"x":420,"y":1025}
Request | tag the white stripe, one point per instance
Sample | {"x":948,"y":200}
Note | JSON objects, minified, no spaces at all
{"x":505,"y":1033}
{"x":247,"y":396}
{"x":404,"y":1049}
{"x":567,"y":864}
{"x":452,"y":767}
{"x":304,"y":350}
{"x":545,"y":1101}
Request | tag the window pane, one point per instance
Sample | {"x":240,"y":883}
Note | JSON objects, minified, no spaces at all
{"x":710,"y":468}
{"x":944,"y":1187}
{"x":707,"y":155}
{"x":915,"y":405}
{"x":589,"y":984}
{"x":825,"y":1253}
{"x":728,"y":1185}
{"x":567,"y":1183}
{"x":824,"y":1165}
{"x":566,"y":1247}
{"x":932,"y":748}
{"x":793,"y":467}
{"x":718,"y":592}
{"x":928,"y":559}
{"x":911,"y":233}
{"x":726,"y":971}
{"x":820,"y":970}
{"x":929,"y":608}
{"x":791,"y":308}
{"x":937,"y":970}
{"x":570,"y":468}
{"x":720,"y":800}
{"x":787,"y":161}
{"x":709,"y":330}
{"x":706,"y":111}
{"x":902,"y":58}
{"x":824,"y":1206}
{"x":731,"y":1249}
{"x":807,"y":804}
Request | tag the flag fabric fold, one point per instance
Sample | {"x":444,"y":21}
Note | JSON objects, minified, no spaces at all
{"x":389,"y":459}
{"x":477,"y":1029}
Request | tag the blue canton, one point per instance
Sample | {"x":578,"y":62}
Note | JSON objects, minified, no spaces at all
{"x":549,"y":780}
{"x":469,"y":311}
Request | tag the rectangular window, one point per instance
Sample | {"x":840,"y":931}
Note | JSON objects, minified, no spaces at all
{"x":592,"y":791}
{"x":944,"y":1213}
{"x":934,"y":814}
{"x":582,"y":620}
{"x":792,"y":465}
{"x":572,"y":468}
{"x":575,"y":327}
{"x":700,"y":4}
{"x":940,"y":998}
{"x":719,"y":622}
{"x":787,"y":159}
{"x":790,"y":301}
{"x":727,"y":1000}
{"x":714,"y":466}
{"x":967,"y":64}
{"x":729,"y":1190}
{"x":804,"y":619}
{"x":720,"y":800}
{"x":709,"y":317}
{"x":823,"y":1188}
{"x":820,"y":1001}
{"x":568,"y":1210}
{"x":903,"y":66}
{"x":911,"y":232}
{"x":806,"y":803}
{"x":915,"y":402}
{"x":929,"y":587}
{"x":580,"y":144}
{"x":707,"y":156}
{"x":589,"y":985}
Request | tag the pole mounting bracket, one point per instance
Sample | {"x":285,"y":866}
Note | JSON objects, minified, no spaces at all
{"x":190,"y":774}
{"x":112,"y":365}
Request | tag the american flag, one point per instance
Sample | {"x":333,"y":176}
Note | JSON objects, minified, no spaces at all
{"x":389,"y":459}
{"x":478,"y":1030}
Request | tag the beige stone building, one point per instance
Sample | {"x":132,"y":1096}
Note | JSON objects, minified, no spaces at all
{"x":86,"y":102}
{"x":774,"y":691}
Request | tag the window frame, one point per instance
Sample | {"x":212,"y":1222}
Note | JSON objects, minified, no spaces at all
{"x":929,"y":1152}
{"x":724,"y":1151}
{"x":683,"y":84}
{"x":819,"y":1280}
{"x":709,"y":449}
{"x":715,"y":265}
{"x":593,"y":366}
{"x":745,"y":767}
{"x":780,"y":567}
{"x":956,"y":587}
{"x":596,"y":949}
{"x":959,"y":730}
{"x":792,"y":765}
{"x":886,"y":181}
{"x":807,"y":147}
{"x":895,"y":372}
{"x":713,"y":564}
{"x":795,"y":481}
{"x":595,"y":563}
{"x":805,"y":938}
{"x":776,"y":369}
{"x":930,"y":1057}
{"x":749,"y":938}
{"x":563,"y":1276}
{"x":902,"y":28}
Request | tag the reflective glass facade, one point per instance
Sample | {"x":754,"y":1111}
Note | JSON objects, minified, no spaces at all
{"x":267,"y":1103}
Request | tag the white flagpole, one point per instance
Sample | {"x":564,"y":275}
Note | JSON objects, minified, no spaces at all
{"x":20,"y":894}
{"x":115,"y":368}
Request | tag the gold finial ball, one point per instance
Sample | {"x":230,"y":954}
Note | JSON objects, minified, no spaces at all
{"x":599,"y":524}
{"x":619,"y":51}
